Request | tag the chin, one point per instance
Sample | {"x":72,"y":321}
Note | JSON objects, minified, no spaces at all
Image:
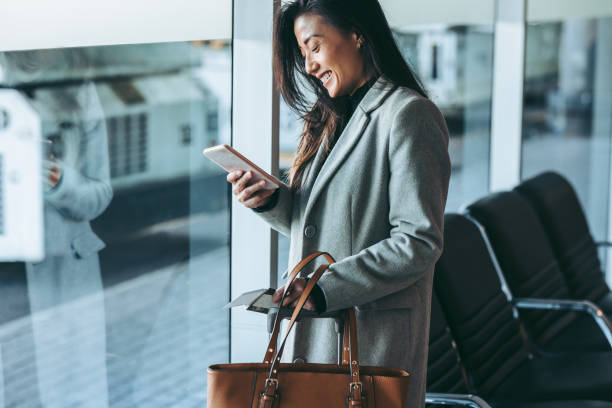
{"x":333,"y":92}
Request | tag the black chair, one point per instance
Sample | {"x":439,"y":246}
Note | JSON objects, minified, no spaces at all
{"x":447,"y":380}
{"x":561,"y":214}
{"x":527,"y":261}
{"x":500,"y":366}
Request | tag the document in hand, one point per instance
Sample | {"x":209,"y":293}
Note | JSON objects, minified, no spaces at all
{"x":259,"y":300}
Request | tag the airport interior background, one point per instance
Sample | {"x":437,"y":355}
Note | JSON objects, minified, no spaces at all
{"x":130,"y":94}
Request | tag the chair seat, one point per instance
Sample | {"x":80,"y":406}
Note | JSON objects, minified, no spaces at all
{"x":582,"y":334}
{"x":586,"y":376}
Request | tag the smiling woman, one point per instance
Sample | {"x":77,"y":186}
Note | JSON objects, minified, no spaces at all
{"x":368,"y":183}
{"x":332,"y":56}
{"x":353,"y":44}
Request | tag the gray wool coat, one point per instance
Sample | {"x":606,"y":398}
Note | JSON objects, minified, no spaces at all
{"x":376,"y":204}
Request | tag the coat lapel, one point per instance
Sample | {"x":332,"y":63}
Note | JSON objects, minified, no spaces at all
{"x":346,"y":142}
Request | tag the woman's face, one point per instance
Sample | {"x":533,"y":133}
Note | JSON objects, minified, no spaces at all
{"x":330,"y":55}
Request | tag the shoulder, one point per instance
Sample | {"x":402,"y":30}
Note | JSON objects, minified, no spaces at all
{"x":406,"y":111}
{"x":407,"y":102}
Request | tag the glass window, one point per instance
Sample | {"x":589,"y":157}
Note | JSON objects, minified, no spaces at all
{"x":124,"y":307}
{"x":567,"y":110}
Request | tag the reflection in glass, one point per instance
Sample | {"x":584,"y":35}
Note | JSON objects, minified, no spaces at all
{"x":455,"y":62}
{"x":567,"y":110}
{"x":126,"y":307}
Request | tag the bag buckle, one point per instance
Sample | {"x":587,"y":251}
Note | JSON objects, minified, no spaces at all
{"x":268,"y":396}
{"x":271,"y":382}
{"x":356,"y":397}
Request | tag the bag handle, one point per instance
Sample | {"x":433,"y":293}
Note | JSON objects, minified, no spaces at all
{"x":271,"y":350}
{"x":269,"y":395}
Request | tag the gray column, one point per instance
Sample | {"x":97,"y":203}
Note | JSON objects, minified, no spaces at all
{"x":507,"y":106}
{"x":255,"y":134}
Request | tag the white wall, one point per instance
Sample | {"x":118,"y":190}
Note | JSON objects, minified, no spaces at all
{"x":33,"y":24}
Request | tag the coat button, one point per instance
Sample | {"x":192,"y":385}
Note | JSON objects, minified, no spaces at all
{"x":310,"y":231}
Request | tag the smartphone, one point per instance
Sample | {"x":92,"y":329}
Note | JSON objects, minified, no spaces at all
{"x":231,"y":160}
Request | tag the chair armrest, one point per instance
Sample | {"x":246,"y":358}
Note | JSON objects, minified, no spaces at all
{"x":583,"y":306}
{"x":603,"y":244}
{"x":465,"y":400}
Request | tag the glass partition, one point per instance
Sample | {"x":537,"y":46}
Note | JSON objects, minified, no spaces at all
{"x":567,"y":108}
{"x":124,"y":306}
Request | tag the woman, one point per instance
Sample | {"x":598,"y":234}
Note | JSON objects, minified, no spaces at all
{"x":368,"y":183}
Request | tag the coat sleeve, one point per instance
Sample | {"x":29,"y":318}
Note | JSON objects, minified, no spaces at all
{"x":84,"y":190}
{"x":279,"y":217}
{"x":419,"y":172}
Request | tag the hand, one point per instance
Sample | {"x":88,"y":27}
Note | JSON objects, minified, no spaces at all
{"x":295,"y":291}
{"x":250,"y":195}
{"x":52,"y":173}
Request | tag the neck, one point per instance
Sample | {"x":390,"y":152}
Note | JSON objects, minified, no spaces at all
{"x":367,"y":75}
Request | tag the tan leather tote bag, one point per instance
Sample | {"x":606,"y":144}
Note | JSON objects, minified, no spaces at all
{"x":273,"y":384}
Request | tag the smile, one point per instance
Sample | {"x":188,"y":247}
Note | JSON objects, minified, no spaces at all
{"x":326,"y":77}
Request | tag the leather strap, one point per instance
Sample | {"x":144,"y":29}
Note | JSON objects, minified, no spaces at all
{"x":346,"y":356}
{"x":355,"y":397}
{"x":271,"y":350}
{"x":298,"y":308}
{"x":266,"y":400}
{"x":354,"y":352}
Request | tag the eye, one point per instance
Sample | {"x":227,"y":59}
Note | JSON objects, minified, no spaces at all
{"x":316,"y":48}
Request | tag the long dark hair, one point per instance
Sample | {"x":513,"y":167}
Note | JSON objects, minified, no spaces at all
{"x":364,"y":17}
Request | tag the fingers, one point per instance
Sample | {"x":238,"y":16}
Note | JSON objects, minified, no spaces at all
{"x":241,"y":183}
{"x":233,"y":176}
{"x":276,"y":297}
{"x":247,"y":192}
{"x":54,"y":176}
{"x":309,"y":305}
{"x":294,"y":294}
{"x":257,"y":200}
{"x":252,"y":196}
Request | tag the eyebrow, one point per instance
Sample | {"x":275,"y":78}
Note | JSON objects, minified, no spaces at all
{"x":310,"y":37}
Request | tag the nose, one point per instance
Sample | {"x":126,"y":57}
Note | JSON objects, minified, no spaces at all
{"x":310,"y":65}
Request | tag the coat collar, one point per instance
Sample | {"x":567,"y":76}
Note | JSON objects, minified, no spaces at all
{"x":376,"y":95}
{"x":320,"y":173}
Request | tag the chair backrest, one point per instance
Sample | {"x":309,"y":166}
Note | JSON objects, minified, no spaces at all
{"x":526,"y":258}
{"x":563,"y":218}
{"x":478,"y":312}
{"x":444,"y":371}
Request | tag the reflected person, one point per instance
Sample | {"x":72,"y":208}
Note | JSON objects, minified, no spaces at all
{"x":65,"y":289}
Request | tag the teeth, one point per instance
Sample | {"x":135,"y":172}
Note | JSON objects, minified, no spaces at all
{"x":326,"y":77}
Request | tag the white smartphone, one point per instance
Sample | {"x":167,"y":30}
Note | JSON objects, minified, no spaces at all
{"x":231,"y":160}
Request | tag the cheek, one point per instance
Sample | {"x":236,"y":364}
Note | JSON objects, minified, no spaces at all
{"x":345,"y":64}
